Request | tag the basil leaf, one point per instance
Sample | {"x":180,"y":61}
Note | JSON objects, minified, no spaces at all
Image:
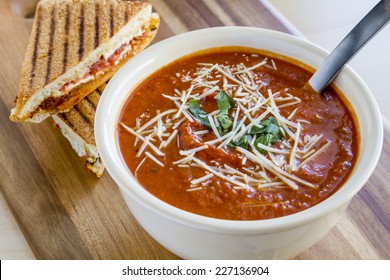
{"x":269,"y":125}
{"x":198,"y":112}
{"x":265,"y":139}
{"x":243,"y":142}
{"x":275,"y":131}
{"x":268,"y":132}
{"x":257,"y":130}
{"x":224,"y":121}
{"x":224,"y":103}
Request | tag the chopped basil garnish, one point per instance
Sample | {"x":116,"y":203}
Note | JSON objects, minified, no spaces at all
{"x":243,"y":142}
{"x":198,"y":112}
{"x":268,"y":126}
{"x":265,"y":139}
{"x":224,"y":103}
{"x":266,"y":132}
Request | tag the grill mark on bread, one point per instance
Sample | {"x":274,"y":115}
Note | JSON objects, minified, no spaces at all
{"x":36,"y":41}
{"x":76,"y":108}
{"x":81,"y":32}
{"x":63,"y":117}
{"x":126,"y":15}
{"x":66,"y":44}
{"x":87,"y":109}
{"x":94,"y":98}
{"x":50,"y":51}
{"x":75,"y":121}
{"x":66,"y":118}
{"x":97,"y":23}
{"x":111,"y":21}
{"x":90,"y":102}
{"x":99,"y":91}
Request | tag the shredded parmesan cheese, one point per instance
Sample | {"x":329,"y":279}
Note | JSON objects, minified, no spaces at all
{"x":149,"y":155}
{"x":171,"y":137}
{"x":219,"y":174}
{"x":319,"y":151}
{"x":154,"y":148}
{"x":156,"y":118}
{"x":201,"y":179}
{"x":293,"y":151}
{"x":194,"y":150}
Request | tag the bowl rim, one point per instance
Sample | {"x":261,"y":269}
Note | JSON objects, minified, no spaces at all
{"x":142,"y":196}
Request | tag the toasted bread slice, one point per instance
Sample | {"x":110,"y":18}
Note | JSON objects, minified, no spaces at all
{"x":75,"y":46}
{"x":77,"y":126}
{"x":77,"y":123}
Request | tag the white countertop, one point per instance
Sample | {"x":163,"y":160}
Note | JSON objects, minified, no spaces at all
{"x":324,"y":22}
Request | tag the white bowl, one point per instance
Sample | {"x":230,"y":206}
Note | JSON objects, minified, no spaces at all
{"x":192,"y":236}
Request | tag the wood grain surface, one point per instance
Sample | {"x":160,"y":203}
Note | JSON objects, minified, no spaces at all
{"x":65,"y":212}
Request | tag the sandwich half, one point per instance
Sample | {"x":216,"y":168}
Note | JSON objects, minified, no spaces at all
{"x":77,"y":124}
{"x":76,"y":46}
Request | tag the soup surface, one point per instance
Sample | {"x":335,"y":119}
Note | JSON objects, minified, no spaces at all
{"x":232,"y":133}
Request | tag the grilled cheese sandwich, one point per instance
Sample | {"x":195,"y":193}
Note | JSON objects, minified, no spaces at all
{"x":76,"y":46}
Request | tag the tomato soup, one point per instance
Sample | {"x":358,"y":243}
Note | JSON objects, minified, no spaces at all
{"x":234,"y":133}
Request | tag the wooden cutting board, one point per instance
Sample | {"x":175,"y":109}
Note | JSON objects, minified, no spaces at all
{"x":65,"y":212}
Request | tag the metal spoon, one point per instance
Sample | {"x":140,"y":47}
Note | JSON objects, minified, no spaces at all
{"x":371,"y":24}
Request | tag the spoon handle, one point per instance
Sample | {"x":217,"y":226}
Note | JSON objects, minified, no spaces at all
{"x":372,"y":23}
